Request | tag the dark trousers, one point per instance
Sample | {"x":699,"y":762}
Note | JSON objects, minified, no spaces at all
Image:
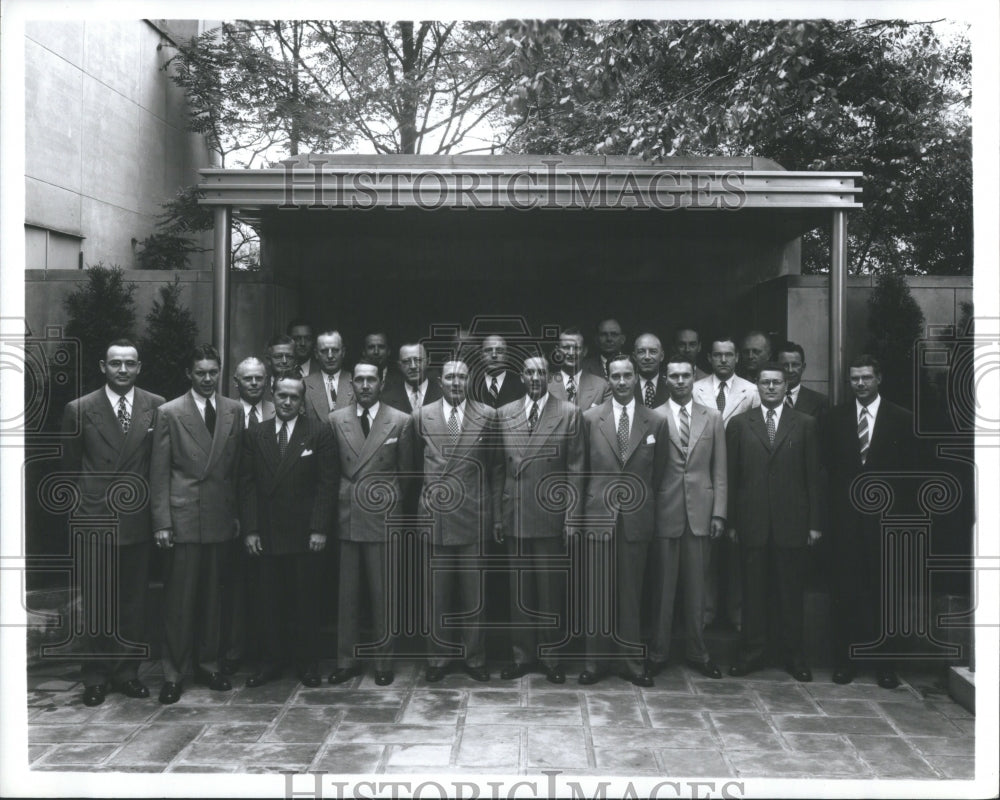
{"x":780,"y":572}
{"x":361,"y":564}
{"x":683,"y":561}
{"x":114,"y":583}
{"x":192,"y":609}
{"x":239,"y":582}
{"x":289,"y":593}
{"x":463,"y":580}
{"x":536,"y":591}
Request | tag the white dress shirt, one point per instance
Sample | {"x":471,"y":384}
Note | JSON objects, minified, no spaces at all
{"x":629,"y":409}
{"x":528,"y":402}
{"x":114,"y":399}
{"x":291,"y":426}
{"x":500,"y":378}
{"x":447,"y":407}
{"x":372,"y":412}
{"x":334,"y":381}
{"x":675,"y":409}
{"x":643,"y":382}
{"x":417,"y":393}
{"x":777,"y":413}
{"x":199,"y":402}
{"x":872,"y":414}
{"x":246,"y":410}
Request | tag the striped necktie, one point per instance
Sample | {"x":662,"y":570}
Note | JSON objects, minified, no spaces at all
{"x":684,"y":427}
{"x":623,"y":434}
{"x":863,"y":434}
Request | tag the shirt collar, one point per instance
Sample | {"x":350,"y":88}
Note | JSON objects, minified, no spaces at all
{"x":114,"y":396}
{"x":259,"y":405}
{"x":618,"y":406}
{"x":420,"y":387}
{"x":872,"y":407}
{"x":332,"y":378}
{"x":676,"y":407}
{"x":777,"y":412}
{"x":372,"y":412}
{"x":291,"y":425}
{"x":716,"y":383}
{"x":199,"y":401}
{"x":576,"y":376}
{"x":541,"y":402}
{"x":499,"y":377}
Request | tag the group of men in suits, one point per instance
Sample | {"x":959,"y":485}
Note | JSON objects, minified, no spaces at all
{"x":641,"y":463}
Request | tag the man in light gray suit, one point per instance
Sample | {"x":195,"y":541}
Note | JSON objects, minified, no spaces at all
{"x":329,"y":387}
{"x":571,"y":381}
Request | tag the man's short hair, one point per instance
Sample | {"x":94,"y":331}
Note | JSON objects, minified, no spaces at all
{"x":571,"y":330}
{"x":411,"y":344}
{"x":292,"y":373}
{"x":867,"y":360}
{"x":678,"y":328}
{"x":204,"y":352}
{"x":279,"y":339}
{"x":623,"y":357}
{"x":770,"y":366}
{"x":331,"y":332}
{"x":792,"y":347}
{"x":121,"y":342}
{"x":680,"y":358}
{"x":298,"y":322}
{"x":248,"y":361}
{"x":724,"y":337}
{"x":756,"y":332}
{"x":363,"y":362}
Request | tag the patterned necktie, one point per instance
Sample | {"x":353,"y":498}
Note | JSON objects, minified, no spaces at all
{"x":124,"y":419}
{"x":533,"y":417}
{"x":623,"y":434}
{"x":333,"y":392}
{"x":254,"y":417}
{"x":210,"y":417}
{"x":685,"y":427}
{"x":495,"y":388}
{"x":283,"y":439}
{"x":650,"y":394}
{"x":863,"y":434}
{"x":720,"y":398}
{"x":788,"y":401}
{"x":770,"y":425}
{"x":414,"y":398}
{"x":453,"y":426}
{"x":570,"y":389}
{"x":366,"y":423}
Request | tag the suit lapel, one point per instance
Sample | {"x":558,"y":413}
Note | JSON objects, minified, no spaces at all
{"x":785,"y":424}
{"x":547,"y":422}
{"x":757,"y":426}
{"x":640,"y":426}
{"x":609,"y":427}
{"x":225,"y":418}
{"x":675,"y":434}
{"x":379,"y":432}
{"x":296,"y":444}
{"x":350,"y":427}
{"x":472,"y":425}
{"x":192,"y":420}
{"x":699,"y":421}
{"x":104,"y":420}
{"x":142,"y":417}
{"x":269,"y":444}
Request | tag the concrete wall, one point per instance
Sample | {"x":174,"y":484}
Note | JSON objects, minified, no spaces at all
{"x":106,"y":137}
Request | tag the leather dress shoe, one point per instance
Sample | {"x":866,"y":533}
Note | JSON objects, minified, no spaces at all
{"x":707,"y":668}
{"x":741,"y":668}
{"x":887,"y":678}
{"x":481,"y":674}
{"x":215,"y":681}
{"x":132,"y":688}
{"x":843,"y":674}
{"x":637,"y":679}
{"x":654,"y":668}
{"x":310,"y":678}
{"x":170,"y":693}
{"x":262,"y":676}
{"x":588,"y":678}
{"x":229,"y":666}
{"x":344,"y":674}
{"x":435,"y":674}
{"x":555,"y":674}
{"x":799,"y":671}
{"x":515,"y":671}
{"x":94,"y":695}
{"x":383,"y":677}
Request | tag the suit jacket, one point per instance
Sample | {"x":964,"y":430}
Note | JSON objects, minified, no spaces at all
{"x":317,"y":403}
{"x":659,"y":398}
{"x":810,"y":402}
{"x":556,"y":451}
{"x":594,"y":366}
{"x":396,"y":395}
{"x":591,"y":391}
{"x":512,"y":389}
{"x":462,"y":481}
{"x":98,"y":453}
{"x":741,"y":396}
{"x":266,"y":410}
{"x":193,"y":475}
{"x":775,"y":491}
{"x":367,"y":464}
{"x":285,"y":498}
{"x":634,"y":508}
{"x":694,"y":484}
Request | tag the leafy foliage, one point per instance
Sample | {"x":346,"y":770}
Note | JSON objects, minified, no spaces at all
{"x":171,"y":333}
{"x":895,"y":322}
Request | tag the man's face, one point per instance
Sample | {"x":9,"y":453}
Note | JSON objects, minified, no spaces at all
{"x":621,"y":374}
{"x":376,"y":348}
{"x":494,"y":354}
{"x":281,"y":357}
{"x":121,"y":366}
{"x":367,"y":387}
{"x":610,"y":338}
{"x":204,"y":376}
{"x":680,"y":381}
{"x":755,"y":352}
{"x":724,"y":360}
{"x":864,"y":384}
{"x":250,"y":380}
{"x":793,"y":366}
{"x":649,"y":354}
{"x":771,"y":386}
{"x":454,"y":381}
{"x":535,"y":377}
{"x":330,"y":352}
{"x":571,"y":348}
{"x":688,"y":343}
{"x":413,"y":363}
{"x":288,"y":396}
{"x":302,"y":335}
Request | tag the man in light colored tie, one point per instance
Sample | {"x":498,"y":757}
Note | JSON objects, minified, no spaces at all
{"x":419,"y":386}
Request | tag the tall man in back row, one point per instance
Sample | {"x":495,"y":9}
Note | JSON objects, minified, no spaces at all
{"x":329,"y":387}
{"x":571,"y":381}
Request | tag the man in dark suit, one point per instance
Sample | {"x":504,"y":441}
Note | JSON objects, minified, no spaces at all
{"x":193,"y":473}
{"x":754,"y":351}
{"x":626,"y":455}
{"x":375,"y":349}
{"x":300,"y":331}
{"x":650,"y":389}
{"x":288,"y":480}
{"x":687,"y":342}
{"x":456,"y":442}
{"x":610,"y":339}
{"x":328,"y":388}
{"x":792,"y":360}
{"x":374,"y":443}
{"x":866,"y":435}
{"x":495,"y":384}
{"x":108,"y":436}
{"x":545,"y":457}
{"x":571,"y":382}
{"x":774,"y":514}
{"x":279,"y":357}
{"x":419,"y":386}
{"x":690,"y":513}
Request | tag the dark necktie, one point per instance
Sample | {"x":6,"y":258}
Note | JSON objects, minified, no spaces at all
{"x":366,"y":423}
{"x":533,"y":417}
{"x":453,"y":426}
{"x":650,"y":394}
{"x":283,"y":439}
{"x":570,"y":389}
{"x":685,"y":427}
{"x":863,"y":435}
{"x":720,"y":398}
{"x":124,"y":419}
{"x":770,"y":425}
{"x":495,"y":388}
{"x":333,"y":394}
{"x":210,"y":417}
{"x":623,"y":434}
{"x":254,"y":417}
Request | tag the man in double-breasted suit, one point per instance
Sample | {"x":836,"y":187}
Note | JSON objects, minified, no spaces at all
{"x":329,"y":387}
{"x":626,"y":455}
{"x":375,"y":451}
{"x":775,"y":507}
{"x":494,"y":384}
{"x":456,"y":442}
{"x":108,"y":436}
{"x":571,"y":382}
{"x":792,"y":360}
{"x":193,"y":474}
{"x":650,"y":388}
{"x":288,"y":480}
{"x":419,"y":386}
{"x":544,"y":457}
{"x":690,"y":513}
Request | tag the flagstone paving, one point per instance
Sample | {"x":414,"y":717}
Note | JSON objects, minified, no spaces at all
{"x":766,"y":725}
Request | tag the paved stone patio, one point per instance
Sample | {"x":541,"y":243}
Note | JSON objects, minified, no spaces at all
{"x":687,"y":725}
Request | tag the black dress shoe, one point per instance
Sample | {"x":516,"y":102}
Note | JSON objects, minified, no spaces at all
{"x":132,"y":688}
{"x":654,"y":668}
{"x":94,"y":695}
{"x":435,"y":674}
{"x":170,"y":693}
{"x":707,"y":668}
{"x":555,"y":674}
{"x":516,"y":671}
{"x":887,"y":678}
{"x":588,"y":678}
{"x":262,"y":676}
{"x":637,"y":679}
{"x":383,"y":677}
{"x":215,"y":681}
{"x":310,"y":678}
{"x":229,"y":666}
{"x":741,"y":668}
{"x":843,"y":674}
{"x":344,"y":674}
{"x":481,"y":674}
{"x":799,"y":671}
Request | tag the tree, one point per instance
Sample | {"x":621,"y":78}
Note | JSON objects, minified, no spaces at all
{"x":895,"y":322}
{"x":170,"y":337}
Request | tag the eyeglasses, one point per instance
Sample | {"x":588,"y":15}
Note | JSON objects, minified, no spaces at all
{"x":117,"y":364}
{"x":771,"y":382}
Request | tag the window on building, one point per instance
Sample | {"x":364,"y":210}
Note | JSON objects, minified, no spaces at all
{"x":49,"y":249}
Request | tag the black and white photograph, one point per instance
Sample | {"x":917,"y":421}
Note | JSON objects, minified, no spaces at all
{"x":499,"y":400}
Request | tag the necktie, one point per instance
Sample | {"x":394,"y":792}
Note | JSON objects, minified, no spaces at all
{"x":788,"y":401}
{"x":453,"y":427}
{"x":254,"y":417}
{"x":570,"y":389}
{"x":623,"y":434}
{"x":123,"y":416}
{"x":650,"y":394}
{"x":283,"y":439}
{"x":770,"y":425}
{"x":533,"y":417}
{"x":495,"y":388}
{"x":863,"y":434}
{"x":685,"y":427}
{"x":210,"y":417}
{"x":720,"y":398}
{"x":414,"y":398}
{"x":366,"y":423}
{"x":333,"y":392}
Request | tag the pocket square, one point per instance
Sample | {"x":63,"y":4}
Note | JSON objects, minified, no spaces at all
{"x":306,"y":453}
{"x":651,"y":439}
{"x":149,"y":430}
{"x":393,"y":439}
